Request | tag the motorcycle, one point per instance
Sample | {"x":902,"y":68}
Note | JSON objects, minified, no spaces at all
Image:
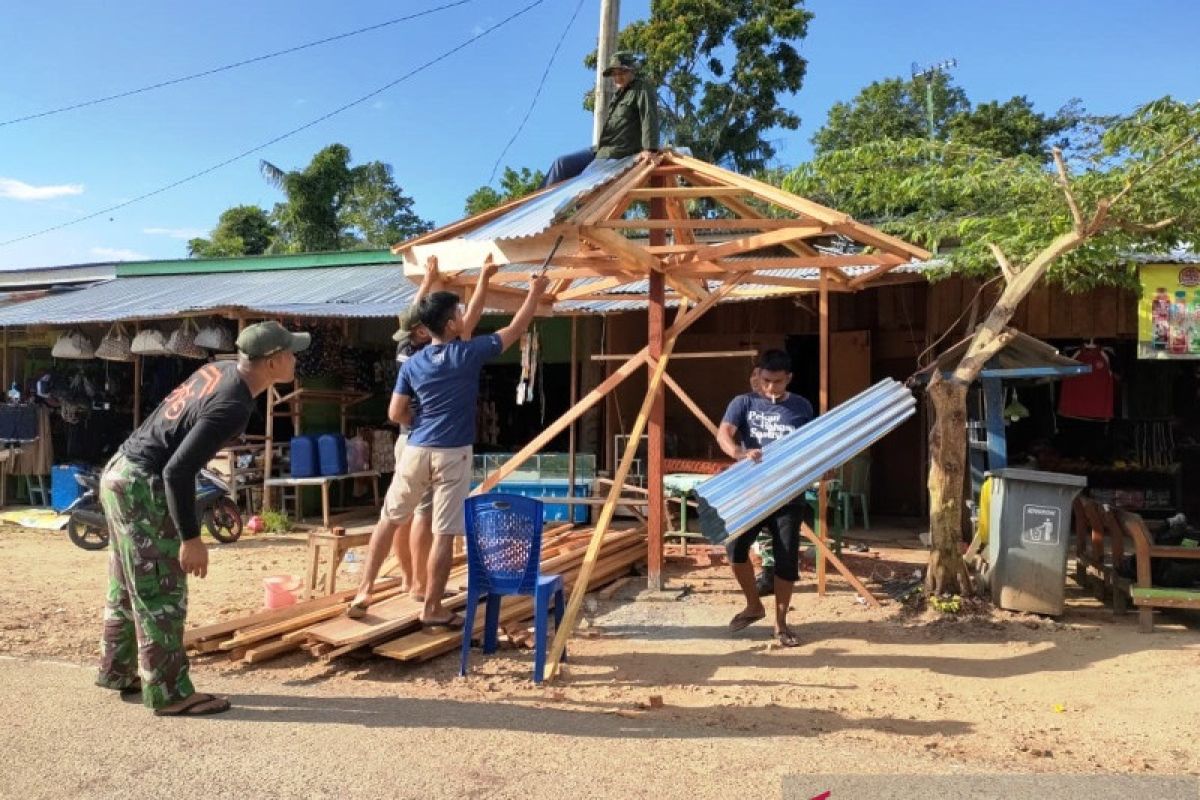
{"x":87,"y":526}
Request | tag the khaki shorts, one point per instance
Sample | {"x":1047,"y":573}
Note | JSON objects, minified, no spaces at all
{"x":425,"y":507}
{"x":444,"y":470}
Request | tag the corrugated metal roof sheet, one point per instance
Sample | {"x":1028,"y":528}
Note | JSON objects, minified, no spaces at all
{"x":361,"y":291}
{"x":534,"y":217}
{"x":736,"y":500}
{"x":1174,"y":257}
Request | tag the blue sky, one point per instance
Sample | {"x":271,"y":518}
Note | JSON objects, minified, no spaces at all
{"x":443,"y":129}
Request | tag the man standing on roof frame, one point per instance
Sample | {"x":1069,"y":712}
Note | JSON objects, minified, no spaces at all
{"x":752,"y":421}
{"x":630,"y":127}
{"x":412,"y":538}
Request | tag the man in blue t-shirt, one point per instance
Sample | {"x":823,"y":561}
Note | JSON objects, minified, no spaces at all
{"x":751,"y":422}
{"x":435,"y":395}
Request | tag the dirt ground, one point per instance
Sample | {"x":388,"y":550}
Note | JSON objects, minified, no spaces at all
{"x":871,"y":691}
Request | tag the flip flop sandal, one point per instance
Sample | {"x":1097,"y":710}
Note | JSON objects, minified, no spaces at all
{"x":787,"y":639}
{"x":196,"y":705}
{"x":455,"y":623}
{"x":420,"y":598}
{"x":744,"y":620}
{"x":357,"y":610}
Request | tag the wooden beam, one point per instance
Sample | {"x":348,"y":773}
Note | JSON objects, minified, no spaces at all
{"x":589,"y":289}
{"x":656,"y":426}
{"x":564,"y":631}
{"x":601,"y":204}
{"x":465,"y":225}
{"x":827,"y":554}
{"x":823,"y":388}
{"x":748,"y":244}
{"x":690,"y":404}
{"x":875,"y":274}
{"x":574,"y":397}
{"x":698,"y":224}
{"x":629,"y":254}
{"x":677,"y":356}
{"x":676,"y":210}
{"x":685,"y":192}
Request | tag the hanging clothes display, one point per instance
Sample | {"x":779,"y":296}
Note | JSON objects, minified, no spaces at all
{"x":1089,"y":396}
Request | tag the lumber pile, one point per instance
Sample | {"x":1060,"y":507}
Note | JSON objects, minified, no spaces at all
{"x":320,"y":628}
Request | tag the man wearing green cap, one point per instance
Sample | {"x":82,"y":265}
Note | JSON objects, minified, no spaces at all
{"x":148,"y":491}
{"x":630,"y":127}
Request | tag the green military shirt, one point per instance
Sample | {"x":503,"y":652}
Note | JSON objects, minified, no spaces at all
{"x":632,"y":124}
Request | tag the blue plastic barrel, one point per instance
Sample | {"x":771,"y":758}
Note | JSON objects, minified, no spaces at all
{"x":64,"y":489}
{"x":332,"y":448}
{"x":304,"y":457}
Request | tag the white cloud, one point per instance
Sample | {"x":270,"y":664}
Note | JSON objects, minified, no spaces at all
{"x":175,"y":233}
{"x":14,"y":189}
{"x":119,"y":254}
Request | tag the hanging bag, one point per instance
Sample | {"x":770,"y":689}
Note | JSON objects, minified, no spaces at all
{"x":215,"y":336}
{"x":150,"y":342}
{"x":73,"y":345}
{"x":115,"y":346}
{"x":182,"y":341}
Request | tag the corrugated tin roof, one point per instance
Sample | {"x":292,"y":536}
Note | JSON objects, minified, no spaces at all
{"x":1180,"y":256}
{"x":47,"y":277}
{"x":361,"y":291}
{"x":534,"y":217}
{"x":736,"y":500}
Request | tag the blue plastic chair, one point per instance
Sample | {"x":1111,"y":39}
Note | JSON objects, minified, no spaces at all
{"x":504,"y":545}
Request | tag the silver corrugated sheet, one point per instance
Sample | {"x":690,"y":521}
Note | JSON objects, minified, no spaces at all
{"x":535,"y":216}
{"x":352,"y":292}
{"x":739,"y":498}
{"x":1173,"y":257}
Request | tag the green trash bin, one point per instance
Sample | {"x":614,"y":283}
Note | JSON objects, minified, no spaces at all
{"x":1029,"y":531}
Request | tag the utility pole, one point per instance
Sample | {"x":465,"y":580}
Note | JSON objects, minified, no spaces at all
{"x":610,"y":12}
{"x":928,"y":74}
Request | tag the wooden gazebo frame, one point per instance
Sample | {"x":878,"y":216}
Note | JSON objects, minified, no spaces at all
{"x":594,"y":260}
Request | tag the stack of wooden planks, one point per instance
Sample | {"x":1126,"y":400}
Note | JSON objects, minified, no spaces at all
{"x":391,"y":626}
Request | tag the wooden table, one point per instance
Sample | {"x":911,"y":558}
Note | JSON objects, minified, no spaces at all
{"x":324,"y":481}
{"x":337,"y":544}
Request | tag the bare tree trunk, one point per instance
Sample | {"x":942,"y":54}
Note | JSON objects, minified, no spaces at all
{"x":947,"y":471}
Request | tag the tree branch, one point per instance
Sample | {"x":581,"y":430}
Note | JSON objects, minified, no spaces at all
{"x":1072,"y":203}
{"x":1142,"y":227}
{"x":1005,"y":265}
{"x":1162,"y":159}
{"x":969,"y":368}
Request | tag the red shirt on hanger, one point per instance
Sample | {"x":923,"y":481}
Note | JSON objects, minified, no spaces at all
{"x":1089,"y":396}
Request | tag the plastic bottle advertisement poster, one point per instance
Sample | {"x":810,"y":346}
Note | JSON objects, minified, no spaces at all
{"x":1169,"y":312}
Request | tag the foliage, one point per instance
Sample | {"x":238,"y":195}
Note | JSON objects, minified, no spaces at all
{"x":723,"y":70}
{"x":892,"y":108}
{"x":240,"y":231}
{"x":948,"y":195}
{"x":513,"y":185}
{"x":333,"y":206}
{"x":947,"y":605}
{"x":276,"y":522}
{"x":895,"y":108}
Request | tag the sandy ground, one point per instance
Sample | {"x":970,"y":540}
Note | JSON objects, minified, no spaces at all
{"x":882,"y":692}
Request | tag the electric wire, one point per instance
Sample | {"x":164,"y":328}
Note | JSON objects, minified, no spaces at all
{"x":538,"y":92}
{"x":281,"y":137}
{"x":227,"y":67}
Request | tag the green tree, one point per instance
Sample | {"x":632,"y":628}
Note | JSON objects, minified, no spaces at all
{"x":333,"y":206}
{"x":1018,"y":222}
{"x":240,"y":231}
{"x":513,"y":185}
{"x":894,"y":108}
{"x":723,"y":70}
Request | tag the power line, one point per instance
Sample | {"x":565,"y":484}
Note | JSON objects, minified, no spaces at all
{"x":283,"y":136}
{"x":235,"y":65}
{"x":537,"y":93}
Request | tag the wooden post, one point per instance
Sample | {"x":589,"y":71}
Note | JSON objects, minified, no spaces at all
{"x":563,"y":631}
{"x":137,"y":391}
{"x":823,"y":486}
{"x":655,"y":320}
{"x":571,"y":443}
{"x":6,"y":359}
{"x":269,"y":453}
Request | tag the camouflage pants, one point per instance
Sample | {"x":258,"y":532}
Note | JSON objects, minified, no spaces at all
{"x":147,"y":590}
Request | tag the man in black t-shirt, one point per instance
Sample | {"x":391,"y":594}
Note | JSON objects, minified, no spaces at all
{"x":751,"y":422}
{"x":149,"y":495}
